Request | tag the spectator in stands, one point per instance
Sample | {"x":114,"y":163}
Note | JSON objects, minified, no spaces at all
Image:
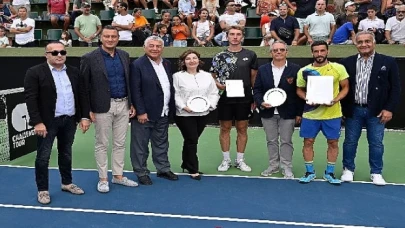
{"x":124,"y":22}
{"x":87,"y":27}
{"x":23,"y":28}
{"x":168,"y":4}
{"x":3,"y":39}
{"x":155,"y":3}
{"x":227,"y":20}
{"x":212,"y":6}
{"x":58,"y":10}
{"x":363,"y":7}
{"x":350,"y":8}
{"x":105,"y":99}
{"x":279,"y":122}
{"x":285,"y":27}
{"x":320,"y":26}
{"x":19,"y":3}
{"x":302,"y":9}
{"x":391,"y":9}
{"x":322,"y":117}
{"x":6,"y":19}
{"x":241,"y":65}
{"x":266,"y":32}
{"x":166,"y":20}
{"x":52,"y":97}
{"x":264,"y":7}
{"x":140,"y":28}
{"x":191,"y":81}
{"x":187,"y":10}
{"x":374,"y":24}
{"x":395,"y":27}
{"x":154,"y":106}
{"x":345,"y":34}
{"x":180,"y":32}
{"x":77,"y":9}
{"x":164,"y":35}
{"x":375,"y":91}
{"x":203,"y":30}
{"x":65,"y":39}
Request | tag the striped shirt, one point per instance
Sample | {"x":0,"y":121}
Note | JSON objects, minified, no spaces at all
{"x":363,"y":71}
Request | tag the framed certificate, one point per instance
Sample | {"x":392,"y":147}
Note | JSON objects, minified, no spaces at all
{"x":319,"y":89}
{"x":234,"y":88}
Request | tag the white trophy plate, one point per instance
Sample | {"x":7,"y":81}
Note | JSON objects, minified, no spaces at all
{"x":198,"y":103}
{"x":275,"y":97}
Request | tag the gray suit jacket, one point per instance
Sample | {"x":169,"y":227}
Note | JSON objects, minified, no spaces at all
{"x":95,"y":93}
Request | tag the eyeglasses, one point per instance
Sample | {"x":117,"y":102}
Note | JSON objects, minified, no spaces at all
{"x":400,"y":11}
{"x":278,"y":50}
{"x":56,"y":53}
{"x":238,"y":5}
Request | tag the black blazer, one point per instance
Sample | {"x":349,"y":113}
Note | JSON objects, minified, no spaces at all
{"x":293,"y":106}
{"x":146,"y":92}
{"x":384,"y":87}
{"x":95,"y":93}
{"x":40,"y":93}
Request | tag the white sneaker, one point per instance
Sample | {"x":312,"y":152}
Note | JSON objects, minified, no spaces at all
{"x":269,"y":171}
{"x":347,"y":176}
{"x":103,"y":187}
{"x":240,"y":164}
{"x":288,"y":174}
{"x":156,"y":10}
{"x":378,"y":179}
{"x":225,"y":165}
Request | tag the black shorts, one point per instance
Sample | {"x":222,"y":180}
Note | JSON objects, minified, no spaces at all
{"x":234,"y":111}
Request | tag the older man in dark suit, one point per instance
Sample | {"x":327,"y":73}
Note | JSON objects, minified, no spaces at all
{"x":152,"y":93}
{"x":52,"y":97}
{"x":373,"y":96}
{"x":279,"y":122}
{"x":106,"y":102}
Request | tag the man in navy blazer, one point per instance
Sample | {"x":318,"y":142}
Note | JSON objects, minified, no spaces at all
{"x":373,"y":96}
{"x":152,"y":95}
{"x":279,"y":121}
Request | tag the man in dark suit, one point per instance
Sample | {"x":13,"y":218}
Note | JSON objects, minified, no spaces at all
{"x":373,"y":96}
{"x":52,"y":96}
{"x":106,"y":102}
{"x":278,"y":122}
{"x":152,"y":93}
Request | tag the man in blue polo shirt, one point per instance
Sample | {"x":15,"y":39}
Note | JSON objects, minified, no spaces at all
{"x":285,"y":27}
{"x":345,"y":34}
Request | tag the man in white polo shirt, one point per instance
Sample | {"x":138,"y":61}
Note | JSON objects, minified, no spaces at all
{"x":320,"y":26}
{"x":123,"y":22}
{"x":372,"y":22}
{"x":395,"y":27}
{"x":23,"y":28}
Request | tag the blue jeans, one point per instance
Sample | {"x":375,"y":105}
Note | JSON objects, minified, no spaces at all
{"x":375,"y":135}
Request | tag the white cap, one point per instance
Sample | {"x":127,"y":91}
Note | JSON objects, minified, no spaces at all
{"x":349,"y":4}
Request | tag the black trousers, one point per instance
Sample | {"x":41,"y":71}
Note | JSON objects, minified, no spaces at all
{"x":63,"y":128}
{"x":191,"y":127}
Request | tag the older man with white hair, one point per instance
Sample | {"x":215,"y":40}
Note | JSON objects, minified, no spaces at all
{"x":153,"y":97}
{"x":395,"y":27}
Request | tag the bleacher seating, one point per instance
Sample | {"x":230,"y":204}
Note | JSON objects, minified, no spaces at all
{"x":54,"y":34}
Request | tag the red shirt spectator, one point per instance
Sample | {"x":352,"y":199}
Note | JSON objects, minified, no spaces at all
{"x":57,"y":6}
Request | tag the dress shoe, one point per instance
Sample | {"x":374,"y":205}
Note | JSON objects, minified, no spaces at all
{"x":168,"y":175}
{"x":145,"y":180}
{"x":190,"y":172}
{"x":198,"y":177}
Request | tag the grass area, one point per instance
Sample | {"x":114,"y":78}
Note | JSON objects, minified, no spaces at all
{"x":256,"y":154}
{"x":171,"y":52}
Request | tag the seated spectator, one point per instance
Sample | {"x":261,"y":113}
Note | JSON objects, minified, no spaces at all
{"x":374,"y":24}
{"x":65,"y":39}
{"x":87,"y":27}
{"x":155,"y":3}
{"x":227,"y":20}
{"x":392,"y":6}
{"x":23,"y":28}
{"x":187,"y":10}
{"x":395,"y":27}
{"x":77,"y":9}
{"x":166,"y":20}
{"x":285,"y":27}
{"x":166,"y":37}
{"x":203,"y":30}
{"x":350,"y":8}
{"x":168,"y":4}
{"x":266,"y":32}
{"x":264,"y":7}
{"x":123,"y":22}
{"x":320,"y":26}
{"x":3,"y":39}
{"x":58,"y":10}
{"x":345,"y":34}
{"x":180,"y":32}
{"x":6,"y":19}
{"x":302,"y":9}
{"x":140,"y":28}
{"x":211,"y":6}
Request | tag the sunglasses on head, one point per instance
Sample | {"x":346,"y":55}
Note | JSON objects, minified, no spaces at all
{"x":56,"y":53}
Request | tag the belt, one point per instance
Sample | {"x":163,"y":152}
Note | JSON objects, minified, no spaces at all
{"x":362,"y":105}
{"x":119,"y":99}
{"x":63,"y":116}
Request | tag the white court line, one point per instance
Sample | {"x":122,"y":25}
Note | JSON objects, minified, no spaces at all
{"x":209,"y":175}
{"x":163,"y":215}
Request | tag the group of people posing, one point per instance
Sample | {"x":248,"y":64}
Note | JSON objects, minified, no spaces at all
{"x":109,"y":91}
